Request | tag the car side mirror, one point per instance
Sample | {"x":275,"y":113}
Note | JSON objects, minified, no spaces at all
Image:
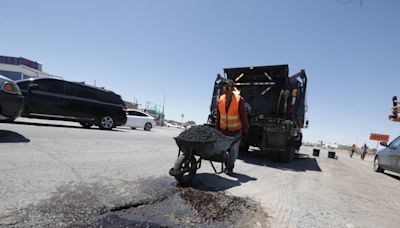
{"x":383,"y":144}
{"x":32,"y":86}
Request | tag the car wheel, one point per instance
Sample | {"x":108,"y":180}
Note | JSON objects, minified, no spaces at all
{"x":148,"y":126}
{"x":376,"y":166}
{"x":6,"y":119}
{"x":86,"y":125}
{"x":106,"y":122}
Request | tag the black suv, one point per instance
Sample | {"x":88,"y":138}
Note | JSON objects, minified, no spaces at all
{"x":11,"y":99}
{"x":50,"y":98}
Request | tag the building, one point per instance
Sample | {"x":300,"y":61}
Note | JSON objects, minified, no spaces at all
{"x":17,"y":68}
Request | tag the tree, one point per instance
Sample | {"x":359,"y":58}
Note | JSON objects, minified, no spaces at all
{"x":189,"y":123}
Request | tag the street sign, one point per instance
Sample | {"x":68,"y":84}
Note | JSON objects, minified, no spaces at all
{"x":379,"y":137}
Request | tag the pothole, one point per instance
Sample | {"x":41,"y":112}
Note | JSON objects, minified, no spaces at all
{"x":144,"y":203}
{"x":213,"y":206}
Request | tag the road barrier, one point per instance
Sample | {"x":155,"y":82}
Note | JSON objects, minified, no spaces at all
{"x":331,"y":154}
{"x":315,"y":152}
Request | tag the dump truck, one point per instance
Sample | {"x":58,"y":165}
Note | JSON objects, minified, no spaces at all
{"x":276,"y":107}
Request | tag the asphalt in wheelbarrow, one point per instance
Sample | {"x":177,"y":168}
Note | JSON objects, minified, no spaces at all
{"x":201,"y":133}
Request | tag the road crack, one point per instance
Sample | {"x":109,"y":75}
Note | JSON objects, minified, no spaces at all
{"x":137,"y":204}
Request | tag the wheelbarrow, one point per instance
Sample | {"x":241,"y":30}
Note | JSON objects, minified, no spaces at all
{"x":187,"y":164}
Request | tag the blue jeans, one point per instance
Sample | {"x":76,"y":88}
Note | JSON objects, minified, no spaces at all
{"x":233,"y":152}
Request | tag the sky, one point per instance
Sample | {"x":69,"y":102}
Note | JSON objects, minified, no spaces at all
{"x":150,"y":50}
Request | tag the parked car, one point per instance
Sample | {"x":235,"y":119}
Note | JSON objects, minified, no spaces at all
{"x":139,"y":119}
{"x":167,"y":124}
{"x":389,"y":157}
{"x":11,"y":99}
{"x":50,"y":98}
{"x":174,"y":125}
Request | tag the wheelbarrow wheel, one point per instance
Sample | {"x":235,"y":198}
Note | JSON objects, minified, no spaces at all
{"x":188,"y":168}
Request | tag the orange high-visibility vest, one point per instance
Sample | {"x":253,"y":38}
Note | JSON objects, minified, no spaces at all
{"x":231,"y":120}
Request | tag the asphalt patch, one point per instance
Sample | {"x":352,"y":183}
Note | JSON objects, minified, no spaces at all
{"x":213,"y":206}
{"x":146,"y":203}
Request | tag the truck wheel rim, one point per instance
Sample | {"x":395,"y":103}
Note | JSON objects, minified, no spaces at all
{"x":107,"y":122}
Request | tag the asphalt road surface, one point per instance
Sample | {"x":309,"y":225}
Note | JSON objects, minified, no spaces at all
{"x":57,"y":174}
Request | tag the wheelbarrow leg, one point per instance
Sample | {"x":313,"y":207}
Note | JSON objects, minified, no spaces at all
{"x":215,"y":170}
{"x":199,"y":163}
{"x":212,"y":165}
{"x":223,"y":159}
{"x":222,"y":168}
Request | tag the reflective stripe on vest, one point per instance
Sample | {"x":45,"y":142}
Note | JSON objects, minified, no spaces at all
{"x":231,"y":120}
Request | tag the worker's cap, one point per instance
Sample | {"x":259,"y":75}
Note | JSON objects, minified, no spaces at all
{"x":228,"y":83}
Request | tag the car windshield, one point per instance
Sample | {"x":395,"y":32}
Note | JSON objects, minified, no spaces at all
{"x":395,"y":143}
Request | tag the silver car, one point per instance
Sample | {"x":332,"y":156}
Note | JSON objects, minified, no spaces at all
{"x":389,"y":157}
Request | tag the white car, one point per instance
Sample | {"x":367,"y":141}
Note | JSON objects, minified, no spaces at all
{"x":139,"y":119}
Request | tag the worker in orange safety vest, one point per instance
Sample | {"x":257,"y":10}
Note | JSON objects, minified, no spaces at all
{"x":232,"y":120}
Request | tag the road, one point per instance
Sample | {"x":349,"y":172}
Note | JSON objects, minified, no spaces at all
{"x":55,"y":173}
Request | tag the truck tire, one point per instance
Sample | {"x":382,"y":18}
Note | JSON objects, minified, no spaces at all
{"x":288,"y":154}
{"x":298,"y":142}
{"x":275,"y":156}
{"x":244,"y":147}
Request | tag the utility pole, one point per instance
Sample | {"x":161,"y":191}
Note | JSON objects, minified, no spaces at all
{"x":163,"y":109}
